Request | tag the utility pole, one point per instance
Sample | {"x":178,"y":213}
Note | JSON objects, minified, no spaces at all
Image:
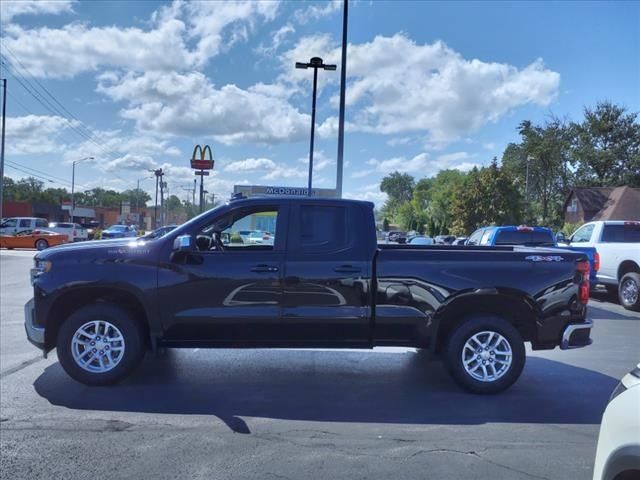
{"x":158,"y":173}
{"x":195,"y":184}
{"x":315,"y":63}
{"x":4,"y":120}
{"x":163,"y":185}
{"x":343,"y":81}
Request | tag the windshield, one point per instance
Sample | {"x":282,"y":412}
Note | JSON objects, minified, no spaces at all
{"x":118,"y":228}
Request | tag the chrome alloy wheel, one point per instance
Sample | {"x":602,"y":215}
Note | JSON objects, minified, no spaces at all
{"x":629,"y":291}
{"x":487,"y":356}
{"x":97,"y":346}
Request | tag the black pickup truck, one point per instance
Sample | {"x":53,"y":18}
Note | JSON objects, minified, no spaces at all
{"x":314,"y":276}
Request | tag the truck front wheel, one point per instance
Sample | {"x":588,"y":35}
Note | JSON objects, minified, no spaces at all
{"x":100,"y":344}
{"x":629,"y":291}
{"x":485,"y":354}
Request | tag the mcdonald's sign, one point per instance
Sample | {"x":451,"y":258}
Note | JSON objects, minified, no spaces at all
{"x":199,"y":159}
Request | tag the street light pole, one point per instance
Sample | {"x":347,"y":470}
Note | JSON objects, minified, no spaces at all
{"x":343,"y":81}
{"x":73,"y":186}
{"x":315,"y":63}
{"x":4,"y":121}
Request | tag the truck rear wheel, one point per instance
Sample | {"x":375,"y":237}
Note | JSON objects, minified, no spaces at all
{"x":100,"y":344}
{"x":485,"y":354}
{"x":629,"y":291}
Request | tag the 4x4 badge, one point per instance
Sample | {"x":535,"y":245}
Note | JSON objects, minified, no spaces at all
{"x":546,"y":258}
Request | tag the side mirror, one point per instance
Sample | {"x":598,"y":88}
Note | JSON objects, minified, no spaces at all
{"x":183,"y":243}
{"x":560,"y":238}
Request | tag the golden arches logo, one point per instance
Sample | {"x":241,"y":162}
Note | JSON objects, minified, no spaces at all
{"x":202,"y":163}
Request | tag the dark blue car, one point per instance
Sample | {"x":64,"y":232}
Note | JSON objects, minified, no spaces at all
{"x":530,"y":237}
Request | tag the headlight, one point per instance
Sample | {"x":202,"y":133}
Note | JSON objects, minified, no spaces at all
{"x":617,"y":391}
{"x":40,"y":267}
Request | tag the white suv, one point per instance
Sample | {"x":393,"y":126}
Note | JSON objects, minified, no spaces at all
{"x":73,"y":231}
{"x":618,"y":243}
{"x":13,"y":225}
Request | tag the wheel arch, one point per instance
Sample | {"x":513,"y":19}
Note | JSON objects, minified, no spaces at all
{"x":627,"y":266}
{"x":514,"y":306}
{"x":73,"y":299}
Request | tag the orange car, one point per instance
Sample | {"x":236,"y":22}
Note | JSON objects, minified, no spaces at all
{"x":39,"y":239}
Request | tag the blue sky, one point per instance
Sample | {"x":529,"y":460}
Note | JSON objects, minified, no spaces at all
{"x":431,"y":85}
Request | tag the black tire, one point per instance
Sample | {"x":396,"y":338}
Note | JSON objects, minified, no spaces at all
{"x":123,"y":320}
{"x":629,"y":283}
{"x":466,"y":330}
{"x":41,"y":244}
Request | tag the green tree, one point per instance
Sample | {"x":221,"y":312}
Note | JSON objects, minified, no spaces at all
{"x":548,"y":154}
{"x":487,"y":196}
{"x":441,"y":195}
{"x":606,"y":146}
{"x":398,"y":186}
{"x":385,"y":224}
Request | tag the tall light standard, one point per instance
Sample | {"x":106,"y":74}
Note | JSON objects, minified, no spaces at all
{"x":4,"y":121}
{"x":73,"y":185}
{"x":315,"y":63}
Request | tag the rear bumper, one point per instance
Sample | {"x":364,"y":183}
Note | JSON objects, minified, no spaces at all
{"x":35,"y":333}
{"x":576,"y":335}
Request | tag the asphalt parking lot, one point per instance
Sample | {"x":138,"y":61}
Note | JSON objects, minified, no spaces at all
{"x":222,"y":414}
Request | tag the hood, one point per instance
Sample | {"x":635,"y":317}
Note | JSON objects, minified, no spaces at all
{"x":93,"y":246}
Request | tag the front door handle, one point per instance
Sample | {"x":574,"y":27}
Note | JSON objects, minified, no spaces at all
{"x":264,"y":268}
{"x":347,"y":269}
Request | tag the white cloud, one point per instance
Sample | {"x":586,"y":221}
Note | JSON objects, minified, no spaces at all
{"x":320,"y":161}
{"x":130,"y":162}
{"x":188,"y":104}
{"x":76,"y":48}
{"x":428,"y":88}
{"x":34,"y":134}
{"x":422,"y":164}
{"x":250,"y":165}
{"x":417,"y":164}
{"x":14,"y":8}
{"x":278,"y":37}
{"x":489,"y":146}
{"x":369,"y":193}
{"x":317,"y":10}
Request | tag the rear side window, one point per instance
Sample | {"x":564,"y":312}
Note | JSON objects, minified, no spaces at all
{"x":25,"y":223}
{"x":323,"y":228}
{"x":41,"y":223}
{"x":524,"y":237}
{"x":628,"y":233}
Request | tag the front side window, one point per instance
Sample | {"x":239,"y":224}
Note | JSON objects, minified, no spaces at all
{"x":475,"y":237}
{"x":583,"y":234}
{"x":238,"y":230}
{"x":485,"y":238}
{"x":11,"y":223}
{"x":323,"y":228}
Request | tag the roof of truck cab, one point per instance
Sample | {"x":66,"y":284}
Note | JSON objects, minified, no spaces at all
{"x":270,"y":199}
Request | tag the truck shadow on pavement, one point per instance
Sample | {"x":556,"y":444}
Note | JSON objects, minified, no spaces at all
{"x":333,"y":386}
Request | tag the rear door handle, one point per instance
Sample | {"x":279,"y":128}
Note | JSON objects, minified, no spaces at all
{"x":347,"y":269}
{"x":264,"y":268}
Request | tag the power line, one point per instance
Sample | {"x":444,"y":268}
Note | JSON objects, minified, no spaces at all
{"x":79,"y":129}
{"x":40,"y":172}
